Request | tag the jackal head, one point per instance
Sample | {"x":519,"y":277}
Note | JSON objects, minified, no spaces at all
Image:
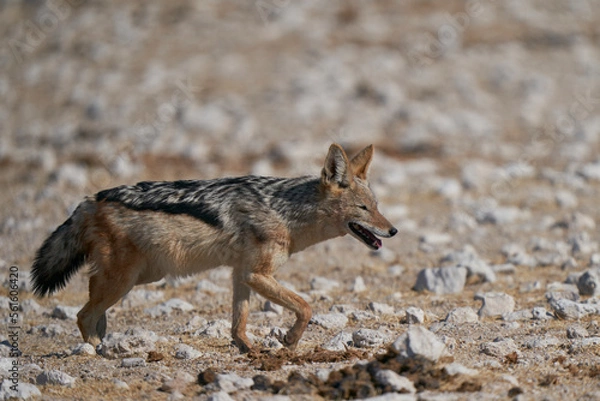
{"x":352,"y":203}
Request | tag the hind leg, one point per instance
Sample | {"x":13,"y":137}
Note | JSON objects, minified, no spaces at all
{"x":107,"y":286}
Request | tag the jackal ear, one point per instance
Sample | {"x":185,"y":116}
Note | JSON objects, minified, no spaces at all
{"x":336,"y":169}
{"x":361,"y":162}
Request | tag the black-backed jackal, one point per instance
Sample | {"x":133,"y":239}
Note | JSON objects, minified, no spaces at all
{"x":139,"y":234}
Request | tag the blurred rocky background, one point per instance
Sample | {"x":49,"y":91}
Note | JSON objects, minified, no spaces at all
{"x":485,"y":116}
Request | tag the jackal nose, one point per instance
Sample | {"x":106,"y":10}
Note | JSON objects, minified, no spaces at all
{"x":393,"y":231}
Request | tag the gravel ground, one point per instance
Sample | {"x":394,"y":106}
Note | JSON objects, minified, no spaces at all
{"x":485,"y":118}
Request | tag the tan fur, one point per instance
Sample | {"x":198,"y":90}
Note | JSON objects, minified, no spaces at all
{"x":126,"y":247}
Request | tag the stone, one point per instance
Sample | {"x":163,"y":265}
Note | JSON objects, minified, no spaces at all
{"x":120,"y":384}
{"x":231,"y":382}
{"x":358,"y":285}
{"x":499,"y":348}
{"x":209,"y":287}
{"x":216,"y":329}
{"x":419,"y":343}
{"x":220,"y":396}
{"x":444,"y":280}
{"x":84,"y":349}
{"x":132,"y":342}
{"x":368,"y":338}
{"x":65,"y":312}
{"x":141,"y":297}
{"x":340,"y":342}
{"x":323,"y":284}
{"x":330,"y":320}
{"x":468,"y":257}
{"x":577,"y":331}
{"x":435,"y":239}
{"x":177,"y":384}
{"x":165,"y":308}
{"x":589,"y":282}
{"x":566,"y":199}
{"x":540,"y":313}
{"x":133,"y":362}
{"x":415,"y":315}
{"x":272,"y":307}
{"x":50,"y":330}
{"x":456,"y":369}
{"x":25,"y":391}
{"x":495,"y":304}
{"x":462,"y":315}
{"x":567,"y":309}
{"x":55,"y":377}
{"x":505,"y":268}
{"x":389,"y":379}
{"x":396,"y":270}
{"x":380,"y":308}
{"x":519,"y":315}
{"x":516,"y":254}
{"x":582,"y":244}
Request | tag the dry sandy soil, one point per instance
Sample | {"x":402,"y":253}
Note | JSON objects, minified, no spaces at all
{"x":485,"y":117}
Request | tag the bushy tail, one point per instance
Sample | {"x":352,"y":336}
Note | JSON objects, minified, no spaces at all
{"x":60,"y":256}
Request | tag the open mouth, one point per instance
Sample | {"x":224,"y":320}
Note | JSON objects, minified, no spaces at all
{"x":365,"y":236}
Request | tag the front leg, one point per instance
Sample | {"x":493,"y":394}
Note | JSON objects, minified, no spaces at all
{"x":268,"y":287}
{"x":241,"y":297}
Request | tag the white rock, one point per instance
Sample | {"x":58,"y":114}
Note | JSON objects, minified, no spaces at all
{"x":540,"y":313}
{"x":577,"y":331}
{"x":516,"y":254}
{"x":468,"y":257}
{"x":132,"y":342}
{"x":455,"y":369}
{"x":419,"y":343}
{"x":50,"y":330}
{"x":462,"y":315}
{"x":358,"y":285}
{"x":209,"y":287}
{"x":567,"y":309}
{"x":84,"y":349}
{"x":340,"y":342}
{"x":177,"y":384}
{"x":141,"y":297}
{"x":220,"y":396}
{"x":72,"y":174}
{"x":330,"y":320}
{"x":391,"y":379}
{"x":216,"y":329}
{"x":499,"y":348}
{"x":231,"y":382}
{"x":590,"y":171}
{"x":415,"y":315}
{"x":133,"y":362}
{"x":55,"y":377}
{"x":444,"y":280}
{"x":165,"y":308}
{"x":323,"y":284}
{"x":29,"y":306}
{"x":368,"y":338}
{"x":120,"y":384}
{"x":566,"y":199}
{"x":65,"y":312}
{"x":380,"y":308}
{"x":396,"y":270}
{"x":436,"y":239}
{"x":519,"y":315}
{"x":25,"y":391}
{"x":392,"y":397}
{"x":184,"y":351}
{"x":449,"y":188}
{"x":272,"y":307}
{"x":495,"y":304}
{"x":582,"y":244}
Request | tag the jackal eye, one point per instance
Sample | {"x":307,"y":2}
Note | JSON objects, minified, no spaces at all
{"x":363,"y":207}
